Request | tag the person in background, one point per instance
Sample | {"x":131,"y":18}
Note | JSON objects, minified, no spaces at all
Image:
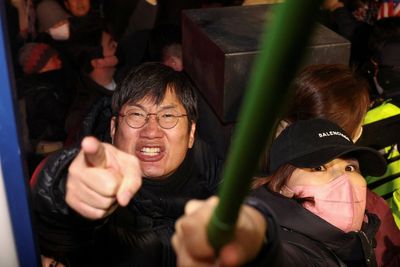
{"x":53,"y":20}
{"x":78,"y":8}
{"x":381,"y":123}
{"x":46,"y":98}
{"x":165,"y":45}
{"x":355,"y":19}
{"x":55,"y":29}
{"x":132,"y":31}
{"x":383,"y":64}
{"x":19,"y":28}
{"x":311,"y":210}
{"x":93,"y":51}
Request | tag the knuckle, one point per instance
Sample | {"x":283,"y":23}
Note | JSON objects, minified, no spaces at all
{"x":186,"y":226}
{"x":110,"y":187}
{"x":107,"y":203}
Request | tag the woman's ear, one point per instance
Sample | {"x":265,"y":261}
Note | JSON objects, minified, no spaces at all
{"x":286,"y":191}
{"x":358,"y":134}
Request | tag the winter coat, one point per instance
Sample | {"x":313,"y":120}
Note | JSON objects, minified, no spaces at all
{"x":301,"y":238}
{"x":47,"y":98}
{"x":136,"y":235}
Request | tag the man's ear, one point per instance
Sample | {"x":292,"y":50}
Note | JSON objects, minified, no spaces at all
{"x":96,"y":62}
{"x":169,"y":61}
{"x":192,"y":135}
{"x":113,"y":128}
{"x":173,"y":62}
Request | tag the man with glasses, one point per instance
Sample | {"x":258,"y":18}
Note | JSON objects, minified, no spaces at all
{"x":116,"y":204}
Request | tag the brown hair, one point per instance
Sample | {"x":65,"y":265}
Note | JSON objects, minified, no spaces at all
{"x":276,"y":180}
{"x":328,"y":91}
{"x":332,"y":92}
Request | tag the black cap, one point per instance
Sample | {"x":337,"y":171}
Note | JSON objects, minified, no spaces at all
{"x":312,"y":143}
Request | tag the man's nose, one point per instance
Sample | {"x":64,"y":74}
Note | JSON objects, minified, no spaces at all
{"x":151,"y":129}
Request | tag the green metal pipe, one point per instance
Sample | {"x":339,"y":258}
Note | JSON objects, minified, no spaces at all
{"x":281,"y":54}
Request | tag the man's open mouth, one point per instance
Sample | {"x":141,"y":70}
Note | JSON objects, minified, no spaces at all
{"x":150,"y":151}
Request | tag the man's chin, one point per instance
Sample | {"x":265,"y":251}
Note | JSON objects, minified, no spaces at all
{"x":152,"y":172}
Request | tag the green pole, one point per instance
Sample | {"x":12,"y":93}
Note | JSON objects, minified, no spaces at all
{"x":282,"y":50}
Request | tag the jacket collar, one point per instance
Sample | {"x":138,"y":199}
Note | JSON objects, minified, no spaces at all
{"x":350,"y":246}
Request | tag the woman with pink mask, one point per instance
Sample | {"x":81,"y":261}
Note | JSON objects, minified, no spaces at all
{"x":312,"y":207}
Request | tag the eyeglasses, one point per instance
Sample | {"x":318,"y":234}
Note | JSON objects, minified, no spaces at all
{"x":167,"y":119}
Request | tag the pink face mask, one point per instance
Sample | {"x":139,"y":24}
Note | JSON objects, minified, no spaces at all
{"x":338,"y":202}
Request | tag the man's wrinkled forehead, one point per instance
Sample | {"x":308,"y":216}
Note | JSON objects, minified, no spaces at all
{"x":157,"y":100}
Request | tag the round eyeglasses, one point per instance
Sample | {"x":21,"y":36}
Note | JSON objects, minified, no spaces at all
{"x":166,"y":119}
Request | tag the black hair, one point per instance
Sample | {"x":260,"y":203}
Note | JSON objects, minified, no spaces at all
{"x":86,"y":37}
{"x":384,"y":31}
{"x":152,"y":80}
{"x":162,"y":37}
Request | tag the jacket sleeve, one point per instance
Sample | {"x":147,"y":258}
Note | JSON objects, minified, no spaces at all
{"x":142,"y":18}
{"x":286,"y":248}
{"x":59,"y":230}
{"x":211,"y":164}
{"x":270,"y":253}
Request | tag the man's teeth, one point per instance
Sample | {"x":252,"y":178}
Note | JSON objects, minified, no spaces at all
{"x":150,"y":151}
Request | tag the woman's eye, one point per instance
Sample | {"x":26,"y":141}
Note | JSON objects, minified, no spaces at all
{"x":350,"y":168}
{"x":319,"y":169}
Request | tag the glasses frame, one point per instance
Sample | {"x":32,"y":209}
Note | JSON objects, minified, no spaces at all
{"x":147,"y":120}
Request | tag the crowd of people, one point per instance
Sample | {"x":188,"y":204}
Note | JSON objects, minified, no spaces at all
{"x":120,"y":177}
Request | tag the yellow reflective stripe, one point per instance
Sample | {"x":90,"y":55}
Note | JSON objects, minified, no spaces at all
{"x":381,"y":112}
{"x":395,"y":206}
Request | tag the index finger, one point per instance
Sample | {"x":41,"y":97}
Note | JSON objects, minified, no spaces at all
{"x":131,"y":180}
{"x":94,"y":152}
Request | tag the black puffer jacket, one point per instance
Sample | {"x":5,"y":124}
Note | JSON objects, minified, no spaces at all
{"x":301,"y":238}
{"x":137,"y":235}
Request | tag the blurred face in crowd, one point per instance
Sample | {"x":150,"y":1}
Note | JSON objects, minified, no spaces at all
{"x":173,"y":57}
{"x":54,"y":63}
{"x":160,"y":151}
{"x":60,"y":30}
{"x":109,"y":50}
{"x":78,"y":8}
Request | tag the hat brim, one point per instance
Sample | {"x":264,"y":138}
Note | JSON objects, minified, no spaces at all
{"x":371,"y":162}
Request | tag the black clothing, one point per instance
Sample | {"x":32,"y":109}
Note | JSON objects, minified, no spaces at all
{"x":87,"y":93}
{"x":135,"y":33}
{"x":305,"y":238}
{"x":136,"y":235}
{"x":97,"y":121}
{"x":47,"y":97}
{"x":357,"y":32}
